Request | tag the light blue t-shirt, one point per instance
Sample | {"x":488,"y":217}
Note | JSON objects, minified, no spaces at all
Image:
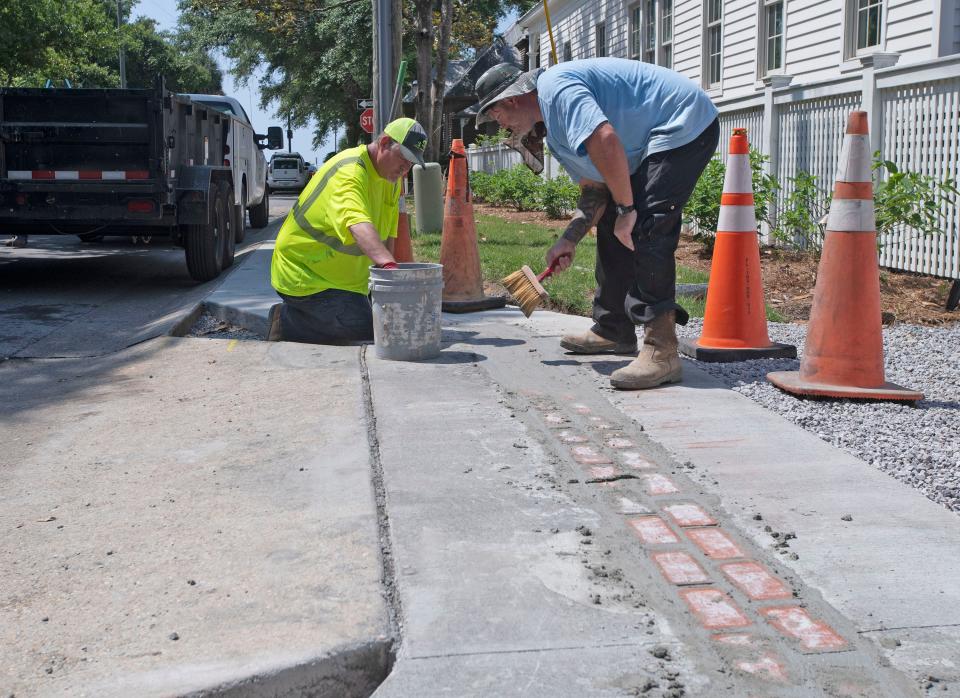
{"x":651,"y":108}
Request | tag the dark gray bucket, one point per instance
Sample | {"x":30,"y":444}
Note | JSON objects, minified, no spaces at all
{"x":406,"y":311}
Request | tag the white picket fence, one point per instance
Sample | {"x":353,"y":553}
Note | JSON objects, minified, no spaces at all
{"x":915,"y":124}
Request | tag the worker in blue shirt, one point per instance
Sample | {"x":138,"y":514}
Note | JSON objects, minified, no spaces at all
{"x":635,"y":137}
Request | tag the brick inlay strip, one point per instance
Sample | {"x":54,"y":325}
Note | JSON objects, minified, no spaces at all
{"x":659,"y":484}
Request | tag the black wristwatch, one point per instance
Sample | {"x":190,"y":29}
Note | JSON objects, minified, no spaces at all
{"x":624,"y":210}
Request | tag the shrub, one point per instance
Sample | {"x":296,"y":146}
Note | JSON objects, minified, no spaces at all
{"x":559,"y":196}
{"x":703,"y":208}
{"x":520,"y":187}
{"x":496,"y":139}
{"x":481,"y":184}
{"x":799,"y":221}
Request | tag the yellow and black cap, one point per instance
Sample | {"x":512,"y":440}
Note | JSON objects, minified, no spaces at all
{"x":411,"y":137}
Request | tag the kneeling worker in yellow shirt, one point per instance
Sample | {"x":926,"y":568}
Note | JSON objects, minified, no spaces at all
{"x":344,"y":220}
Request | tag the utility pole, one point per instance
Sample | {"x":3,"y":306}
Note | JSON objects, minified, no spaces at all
{"x":123,"y":64}
{"x":386,"y":51}
{"x":289,"y":136}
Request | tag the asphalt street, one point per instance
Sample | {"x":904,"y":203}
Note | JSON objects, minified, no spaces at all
{"x":61,"y":297}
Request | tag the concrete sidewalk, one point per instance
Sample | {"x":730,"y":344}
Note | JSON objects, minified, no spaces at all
{"x":542,"y":534}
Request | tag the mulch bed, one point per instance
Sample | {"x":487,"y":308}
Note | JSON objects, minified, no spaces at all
{"x":789,"y":278}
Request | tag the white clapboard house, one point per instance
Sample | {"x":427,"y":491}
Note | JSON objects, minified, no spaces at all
{"x":790,"y":71}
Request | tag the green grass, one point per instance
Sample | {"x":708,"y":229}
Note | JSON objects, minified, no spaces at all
{"x":505,"y":246}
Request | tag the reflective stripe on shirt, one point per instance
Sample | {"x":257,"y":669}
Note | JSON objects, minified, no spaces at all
{"x":300,"y":213}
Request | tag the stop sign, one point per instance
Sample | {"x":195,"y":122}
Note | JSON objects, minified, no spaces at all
{"x":366,"y":120}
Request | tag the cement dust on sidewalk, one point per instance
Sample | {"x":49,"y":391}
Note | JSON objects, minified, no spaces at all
{"x":189,"y":515}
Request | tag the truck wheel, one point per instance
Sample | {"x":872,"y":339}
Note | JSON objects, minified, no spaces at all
{"x":203,"y":242}
{"x":241,"y":215}
{"x":260,"y":214}
{"x":229,"y":224}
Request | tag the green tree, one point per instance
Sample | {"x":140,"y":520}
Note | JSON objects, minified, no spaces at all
{"x":79,"y":41}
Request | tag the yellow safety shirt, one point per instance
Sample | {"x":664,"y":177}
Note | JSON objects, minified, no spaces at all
{"x":315,"y":250}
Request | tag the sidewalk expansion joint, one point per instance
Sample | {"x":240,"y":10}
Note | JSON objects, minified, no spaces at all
{"x":389,"y":577}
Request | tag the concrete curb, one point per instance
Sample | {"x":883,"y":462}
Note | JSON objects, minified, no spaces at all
{"x":354,"y":671}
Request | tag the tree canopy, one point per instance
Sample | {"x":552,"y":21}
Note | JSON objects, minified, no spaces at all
{"x":312,"y":59}
{"x":79,"y":41}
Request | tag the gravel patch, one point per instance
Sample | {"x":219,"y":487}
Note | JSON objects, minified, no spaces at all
{"x":919,"y":446}
{"x":209,"y":326}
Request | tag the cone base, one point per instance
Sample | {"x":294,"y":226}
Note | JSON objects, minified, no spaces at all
{"x":692,"y":348}
{"x":474,"y":304}
{"x":791,"y":382}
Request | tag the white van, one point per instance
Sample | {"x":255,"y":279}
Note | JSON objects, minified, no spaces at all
{"x":287,"y":171}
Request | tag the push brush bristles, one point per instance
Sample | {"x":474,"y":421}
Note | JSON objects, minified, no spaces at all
{"x":526,"y":289}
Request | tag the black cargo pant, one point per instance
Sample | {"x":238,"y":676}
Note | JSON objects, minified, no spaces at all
{"x":635,"y":287}
{"x":329,"y":317}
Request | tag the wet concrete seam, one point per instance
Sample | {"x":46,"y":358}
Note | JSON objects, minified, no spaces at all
{"x":389,"y":578}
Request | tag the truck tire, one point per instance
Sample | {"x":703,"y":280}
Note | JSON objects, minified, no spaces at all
{"x":203,"y":242}
{"x":260,"y":214}
{"x":229,"y":224}
{"x":241,"y":216}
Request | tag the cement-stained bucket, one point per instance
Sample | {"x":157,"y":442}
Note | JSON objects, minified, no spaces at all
{"x":406,"y":311}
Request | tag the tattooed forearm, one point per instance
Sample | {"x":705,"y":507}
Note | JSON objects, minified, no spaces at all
{"x":593,"y":201}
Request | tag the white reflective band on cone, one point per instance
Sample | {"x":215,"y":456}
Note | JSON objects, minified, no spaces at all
{"x":851,"y":216}
{"x":855,"y":159}
{"x":736,"y":219}
{"x":737,"y":179}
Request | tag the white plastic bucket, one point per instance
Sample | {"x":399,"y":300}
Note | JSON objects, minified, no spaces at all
{"x":406,"y":311}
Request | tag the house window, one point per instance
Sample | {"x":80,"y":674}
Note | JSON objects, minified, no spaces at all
{"x":666,"y":33}
{"x":567,"y":51}
{"x":714,"y":42}
{"x":869,"y":16}
{"x":635,"y":29}
{"x":600,"y":40}
{"x":649,"y":54}
{"x":771,"y":38}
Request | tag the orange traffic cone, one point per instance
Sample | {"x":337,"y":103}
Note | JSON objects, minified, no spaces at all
{"x":403,"y":246}
{"x":459,"y":254}
{"x":843,"y":355}
{"x":734,"y":321}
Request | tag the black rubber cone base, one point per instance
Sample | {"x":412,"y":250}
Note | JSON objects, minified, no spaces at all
{"x":790,"y":381}
{"x":474,"y":304}
{"x":691,"y":348}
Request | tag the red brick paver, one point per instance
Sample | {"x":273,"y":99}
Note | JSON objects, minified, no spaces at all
{"x":587,"y":455}
{"x":755,"y":581}
{"x":652,"y":530}
{"x":795,"y":622}
{"x":679,"y":568}
{"x":714,"y":609}
{"x":659,"y":484}
{"x":689,"y":515}
{"x":714,"y":543}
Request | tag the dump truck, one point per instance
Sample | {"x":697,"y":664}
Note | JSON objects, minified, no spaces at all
{"x":138,"y":162}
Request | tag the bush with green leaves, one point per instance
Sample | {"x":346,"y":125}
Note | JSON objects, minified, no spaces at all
{"x":481,"y":185}
{"x":910,"y":198}
{"x":520,"y":187}
{"x":559,"y":196}
{"x":900,"y":198}
{"x":703,"y":208}
{"x":484,"y":140}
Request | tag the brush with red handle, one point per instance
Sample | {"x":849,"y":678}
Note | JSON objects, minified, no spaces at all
{"x":526,"y":289}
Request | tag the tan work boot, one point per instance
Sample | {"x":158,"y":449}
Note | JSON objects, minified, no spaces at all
{"x":591,"y":343}
{"x":658,"y":362}
{"x":273,"y":323}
